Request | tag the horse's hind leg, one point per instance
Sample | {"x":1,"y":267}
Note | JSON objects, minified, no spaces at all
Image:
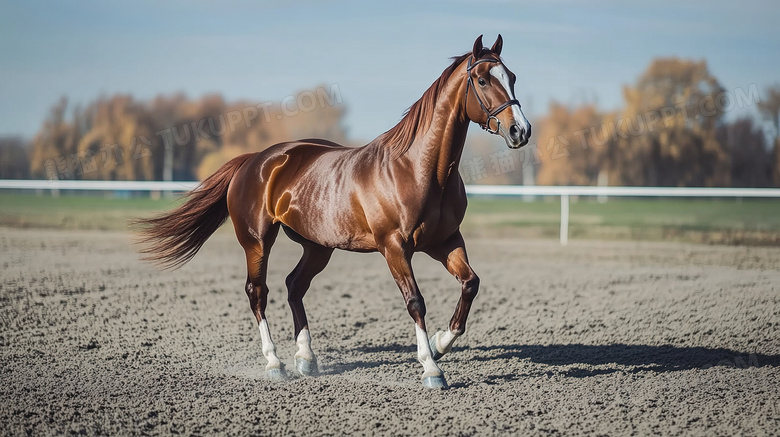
{"x":313,"y":261}
{"x":257,"y":290}
{"x":452,"y":253}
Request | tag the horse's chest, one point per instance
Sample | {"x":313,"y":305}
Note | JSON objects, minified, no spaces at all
{"x":438,"y":223}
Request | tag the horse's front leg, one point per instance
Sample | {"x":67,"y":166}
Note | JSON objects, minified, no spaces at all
{"x":452,"y":253}
{"x":399,"y":261}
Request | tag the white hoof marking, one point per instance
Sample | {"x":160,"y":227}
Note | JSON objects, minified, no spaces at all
{"x":269,"y":350}
{"x":304,"y":345}
{"x":425,"y":355}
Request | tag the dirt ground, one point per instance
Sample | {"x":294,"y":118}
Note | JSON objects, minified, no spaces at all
{"x":597,"y":338}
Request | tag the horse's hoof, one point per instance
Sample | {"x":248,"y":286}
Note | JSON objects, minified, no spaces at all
{"x":276,"y":374}
{"x":306,"y":367}
{"x":434,"y":349}
{"x":435,"y":382}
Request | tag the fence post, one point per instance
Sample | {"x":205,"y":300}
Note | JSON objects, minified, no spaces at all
{"x":564,"y":219}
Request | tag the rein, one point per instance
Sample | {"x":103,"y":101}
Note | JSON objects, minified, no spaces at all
{"x":490,"y":114}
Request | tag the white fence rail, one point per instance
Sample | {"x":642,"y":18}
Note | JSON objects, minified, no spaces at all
{"x":21,"y":184}
{"x":488,"y":190}
{"x":604,"y":192}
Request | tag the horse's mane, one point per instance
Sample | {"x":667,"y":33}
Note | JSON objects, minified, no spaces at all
{"x":417,"y":119}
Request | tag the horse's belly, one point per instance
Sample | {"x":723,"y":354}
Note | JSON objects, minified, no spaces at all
{"x":328,"y":225}
{"x":308,"y":193}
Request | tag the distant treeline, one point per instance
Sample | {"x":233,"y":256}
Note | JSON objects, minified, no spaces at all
{"x":672,"y":131}
{"x":120,"y":138}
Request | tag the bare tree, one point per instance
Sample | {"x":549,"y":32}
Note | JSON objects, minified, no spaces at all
{"x":770,"y":109}
{"x":751,"y":164}
{"x":14,"y":163}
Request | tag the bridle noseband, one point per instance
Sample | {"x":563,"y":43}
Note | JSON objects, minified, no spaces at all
{"x":490,"y":114}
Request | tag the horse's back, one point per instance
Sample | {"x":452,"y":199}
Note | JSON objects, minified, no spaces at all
{"x":309,"y":186}
{"x":287,"y":156}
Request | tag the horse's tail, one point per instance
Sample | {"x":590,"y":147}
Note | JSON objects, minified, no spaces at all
{"x":175,"y":237}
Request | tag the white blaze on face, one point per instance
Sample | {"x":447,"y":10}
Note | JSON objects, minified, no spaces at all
{"x":499,"y":72}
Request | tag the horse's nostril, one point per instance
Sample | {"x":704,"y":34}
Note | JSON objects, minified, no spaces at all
{"x":514,"y":132}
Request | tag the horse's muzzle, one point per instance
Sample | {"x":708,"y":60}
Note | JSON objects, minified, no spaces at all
{"x":517,"y":136}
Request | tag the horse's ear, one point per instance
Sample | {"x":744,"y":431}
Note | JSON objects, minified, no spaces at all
{"x":477,"y":47}
{"x":497,"y":45}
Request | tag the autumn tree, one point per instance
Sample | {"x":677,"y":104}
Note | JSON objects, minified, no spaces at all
{"x":118,"y":143}
{"x":53,"y":148}
{"x":668,"y":132}
{"x":251,"y":128}
{"x":573,"y":145}
{"x":120,"y":138}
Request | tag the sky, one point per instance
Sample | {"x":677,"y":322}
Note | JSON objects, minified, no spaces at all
{"x":380,"y":55}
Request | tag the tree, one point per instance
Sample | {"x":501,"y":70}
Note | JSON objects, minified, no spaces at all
{"x":13,"y":159}
{"x":53,"y":148}
{"x":573,"y":145}
{"x":668,"y":137}
{"x":120,"y":138}
{"x":770,"y":109}
{"x":751,"y":164}
{"x":118,"y":144}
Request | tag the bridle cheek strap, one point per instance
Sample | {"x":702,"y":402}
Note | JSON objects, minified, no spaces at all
{"x":490,"y":114}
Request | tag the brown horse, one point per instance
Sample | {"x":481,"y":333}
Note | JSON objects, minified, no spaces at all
{"x":398,"y":195}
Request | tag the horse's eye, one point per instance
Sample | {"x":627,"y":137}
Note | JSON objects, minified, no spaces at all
{"x":482,"y":82}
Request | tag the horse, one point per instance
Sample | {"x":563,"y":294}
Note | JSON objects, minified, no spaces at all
{"x":398,"y":195}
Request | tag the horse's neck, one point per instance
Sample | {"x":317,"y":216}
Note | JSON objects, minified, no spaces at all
{"x":436,"y":152}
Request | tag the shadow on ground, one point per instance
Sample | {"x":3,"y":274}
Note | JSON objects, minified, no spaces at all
{"x":621,"y":357}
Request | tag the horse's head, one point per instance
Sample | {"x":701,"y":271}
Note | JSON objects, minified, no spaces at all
{"x":490,"y":95}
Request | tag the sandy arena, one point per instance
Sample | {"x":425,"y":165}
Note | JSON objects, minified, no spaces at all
{"x":597,"y":338}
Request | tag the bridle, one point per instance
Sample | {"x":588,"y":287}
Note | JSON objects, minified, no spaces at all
{"x":490,"y":114}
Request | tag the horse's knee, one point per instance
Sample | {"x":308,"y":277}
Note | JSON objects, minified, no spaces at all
{"x":253,"y":295}
{"x":416,"y":306}
{"x":296,"y":287}
{"x":258,"y":296}
{"x":471,"y":287}
{"x":290,"y":281}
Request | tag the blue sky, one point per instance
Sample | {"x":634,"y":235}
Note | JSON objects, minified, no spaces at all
{"x":381,"y":55}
